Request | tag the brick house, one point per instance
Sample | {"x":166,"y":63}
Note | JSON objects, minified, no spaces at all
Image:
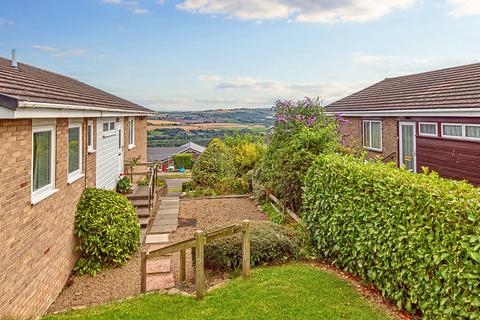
{"x":57,"y":137}
{"x":430,"y":119}
{"x":166,"y":155}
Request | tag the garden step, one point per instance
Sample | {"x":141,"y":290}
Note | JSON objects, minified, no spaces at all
{"x":157,"y":238}
{"x":169,"y":199}
{"x":137,"y":196}
{"x":167,"y":216}
{"x":161,"y":281}
{"x":164,"y":212}
{"x":144,"y":222}
{"x":143,"y":212}
{"x":158,"y":265}
{"x":139,"y":203}
{"x":165,"y":222}
{"x":162,"y":229}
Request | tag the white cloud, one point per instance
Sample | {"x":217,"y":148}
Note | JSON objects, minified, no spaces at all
{"x":139,"y":11}
{"x":210,"y":77}
{"x":313,"y":11}
{"x":44,"y":48}
{"x":58,"y":53}
{"x":132,"y":6}
{"x":365,"y":58}
{"x":4,"y":23}
{"x":112,"y":1}
{"x":464,"y":7}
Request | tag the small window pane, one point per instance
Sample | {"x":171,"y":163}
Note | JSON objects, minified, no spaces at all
{"x":428,"y":128}
{"x":472,"y":131}
{"x":73,"y":149}
{"x":376,"y":135}
{"x":112,"y":125}
{"x":105,"y":126}
{"x":452,"y":130}
{"x":42,"y":152}
{"x":366,"y":134}
{"x":89,"y":136}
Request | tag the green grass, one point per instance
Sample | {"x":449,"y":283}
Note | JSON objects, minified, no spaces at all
{"x":294,"y":291}
{"x":176,"y":175}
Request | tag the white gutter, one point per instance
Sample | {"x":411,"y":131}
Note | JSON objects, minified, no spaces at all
{"x":27,"y":104}
{"x":457,"y":112}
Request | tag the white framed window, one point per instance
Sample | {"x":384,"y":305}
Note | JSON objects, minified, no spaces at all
{"x":461,"y":131}
{"x":108,"y":128}
{"x":428,"y":129}
{"x":131,"y":132}
{"x":372,"y":135}
{"x":90,"y":136}
{"x":43,"y":162}
{"x":74,"y":165}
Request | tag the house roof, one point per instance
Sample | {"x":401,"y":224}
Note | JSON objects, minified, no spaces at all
{"x":451,"y":88}
{"x":26,"y":83}
{"x":164,"y":153}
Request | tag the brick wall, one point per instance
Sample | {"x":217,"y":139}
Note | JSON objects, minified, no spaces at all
{"x":91,"y":158}
{"x":36,"y":241}
{"x":140,"y":149}
{"x":353,"y":132}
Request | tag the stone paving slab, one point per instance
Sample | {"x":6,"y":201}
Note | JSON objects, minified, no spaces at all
{"x":165,"y":222}
{"x":169,"y":206}
{"x":170,"y":199}
{"x":167,"y":212}
{"x":162,"y":229}
{"x":158,"y":265}
{"x":157,"y":238}
{"x":162,"y":281}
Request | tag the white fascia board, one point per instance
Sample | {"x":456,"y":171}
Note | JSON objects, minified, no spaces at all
{"x":6,"y":113}
{"x":458,"y":112}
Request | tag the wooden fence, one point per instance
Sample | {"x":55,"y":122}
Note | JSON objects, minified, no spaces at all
{"x":284,"y":209}
{"x":198,"y":242}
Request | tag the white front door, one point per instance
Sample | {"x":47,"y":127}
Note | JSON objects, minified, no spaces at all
{"x":120,"y":147}
{"x":408,"y":154}
{"x":107,"y":153}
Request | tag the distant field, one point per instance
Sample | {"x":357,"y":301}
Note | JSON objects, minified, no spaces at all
{"x":154,"y":124}
{"x":163,"y":122}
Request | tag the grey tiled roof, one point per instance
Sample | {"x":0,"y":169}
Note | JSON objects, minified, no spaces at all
{"x":164,"y":153}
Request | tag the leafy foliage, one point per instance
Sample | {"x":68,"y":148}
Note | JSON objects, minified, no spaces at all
{"x":123,"y":184}
{"x":183,"y":160}
{"x":108,"y":230}
{"x":270,"y":243}
{"x":416,"y":237}
{"x":302,"y":132}
{"x":274,"y":215}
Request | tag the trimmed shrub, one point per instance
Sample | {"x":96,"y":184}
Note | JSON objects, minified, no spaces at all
{"x":107,"y":226}
{"x":270,"y":243}
{"x":183,"y":160}
{"x":416,"y":237}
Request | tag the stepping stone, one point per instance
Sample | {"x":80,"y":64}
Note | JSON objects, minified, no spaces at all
{"x":168,"y":199}
{"x":158,"y":265}
{"x":167,"y":216}
{"x":162,"y":281}
{"x":169,"y":205}
{"x":154,"y":246}
{"x":167,"y":212}
{"x":162,"y":229}
{"x":143,"y":222}
{"x":157,"y":238}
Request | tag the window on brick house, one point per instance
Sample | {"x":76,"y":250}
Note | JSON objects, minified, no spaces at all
{"x":131,"y":132}
{"x":90,"y":136}
{"x":372,"y":135}
{"x":43,"y":162}
{"x":74,"y":152}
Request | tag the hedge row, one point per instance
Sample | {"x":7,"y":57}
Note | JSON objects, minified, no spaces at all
{"x":416,"y":237}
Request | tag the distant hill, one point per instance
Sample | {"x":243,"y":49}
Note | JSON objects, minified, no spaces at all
{"x":177,"y":128}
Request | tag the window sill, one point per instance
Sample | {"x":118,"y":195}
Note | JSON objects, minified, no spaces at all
{"x":373,"y":150}
{"x":73,"y":178}
{"x":92,"y":151}
{"x":44,"y":195}
{"x":131,"y":146}
{"x":108,"y":134}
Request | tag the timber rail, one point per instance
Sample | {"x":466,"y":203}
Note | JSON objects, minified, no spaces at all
{"x":198,"y":242}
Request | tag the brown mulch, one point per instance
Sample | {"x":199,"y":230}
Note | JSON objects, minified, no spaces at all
{"x":108,"y":285}
{"x":210,"y":214}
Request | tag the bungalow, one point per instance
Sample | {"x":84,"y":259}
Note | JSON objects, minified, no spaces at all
{"x":430,"y":119}
{"x":166,"y":155}
{"x":57,"y":137}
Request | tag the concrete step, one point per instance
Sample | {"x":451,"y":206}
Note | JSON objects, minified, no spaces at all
{"x":165,"y":222}
{"x":143,"y":212}
{"x":144,"y":222}
{"x":160,"y":281}
{"x":140,"y":203}
{"x":162,"y":229}
{"x":157,"y":238}
{"x":158,"y":265}
{"x":137,"y":197}
{"x":167,"y":212}
{"x":166,"y":216}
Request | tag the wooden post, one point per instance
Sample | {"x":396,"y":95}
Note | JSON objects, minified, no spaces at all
{"x":200,"y":263}
{"x":182,"y":265}
{"x":246,"y":249}
{"x":143,"y":271}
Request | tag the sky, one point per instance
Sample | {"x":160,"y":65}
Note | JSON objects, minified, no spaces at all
{"x":173,"y":55}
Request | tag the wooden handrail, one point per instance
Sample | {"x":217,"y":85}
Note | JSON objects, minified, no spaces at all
{"x":284,"y":208}
{"x":198,"y":242}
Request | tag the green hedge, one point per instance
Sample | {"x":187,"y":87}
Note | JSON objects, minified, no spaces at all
{"x":108,"y":230}
{"x":416,"y":237}
{"x":270,"y":243}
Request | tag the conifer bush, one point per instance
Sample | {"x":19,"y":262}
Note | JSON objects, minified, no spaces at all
{"x":416,"y":237}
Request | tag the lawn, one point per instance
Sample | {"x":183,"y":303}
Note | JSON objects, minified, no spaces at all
{"x":294,"y":291}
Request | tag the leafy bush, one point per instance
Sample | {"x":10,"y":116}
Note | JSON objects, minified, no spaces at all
{"x":183,"y":160}
{"x":274,"y":215}
{"x":302,"y":132}
{"x":123,"y":184}
{"x":416,"y":237}
{"x":107,"y":226}
{"x":270,"y":243}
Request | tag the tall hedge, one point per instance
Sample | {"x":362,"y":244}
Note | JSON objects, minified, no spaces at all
{"x":416,"y":237}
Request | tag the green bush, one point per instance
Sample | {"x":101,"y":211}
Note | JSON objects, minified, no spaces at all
{"x":274,"y":215}
{"x":183,"y":160}
{"x":416,"y":237}
{"x":123,"y":184}
{"x":108,"y":230}
{"x":270,"y":243}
